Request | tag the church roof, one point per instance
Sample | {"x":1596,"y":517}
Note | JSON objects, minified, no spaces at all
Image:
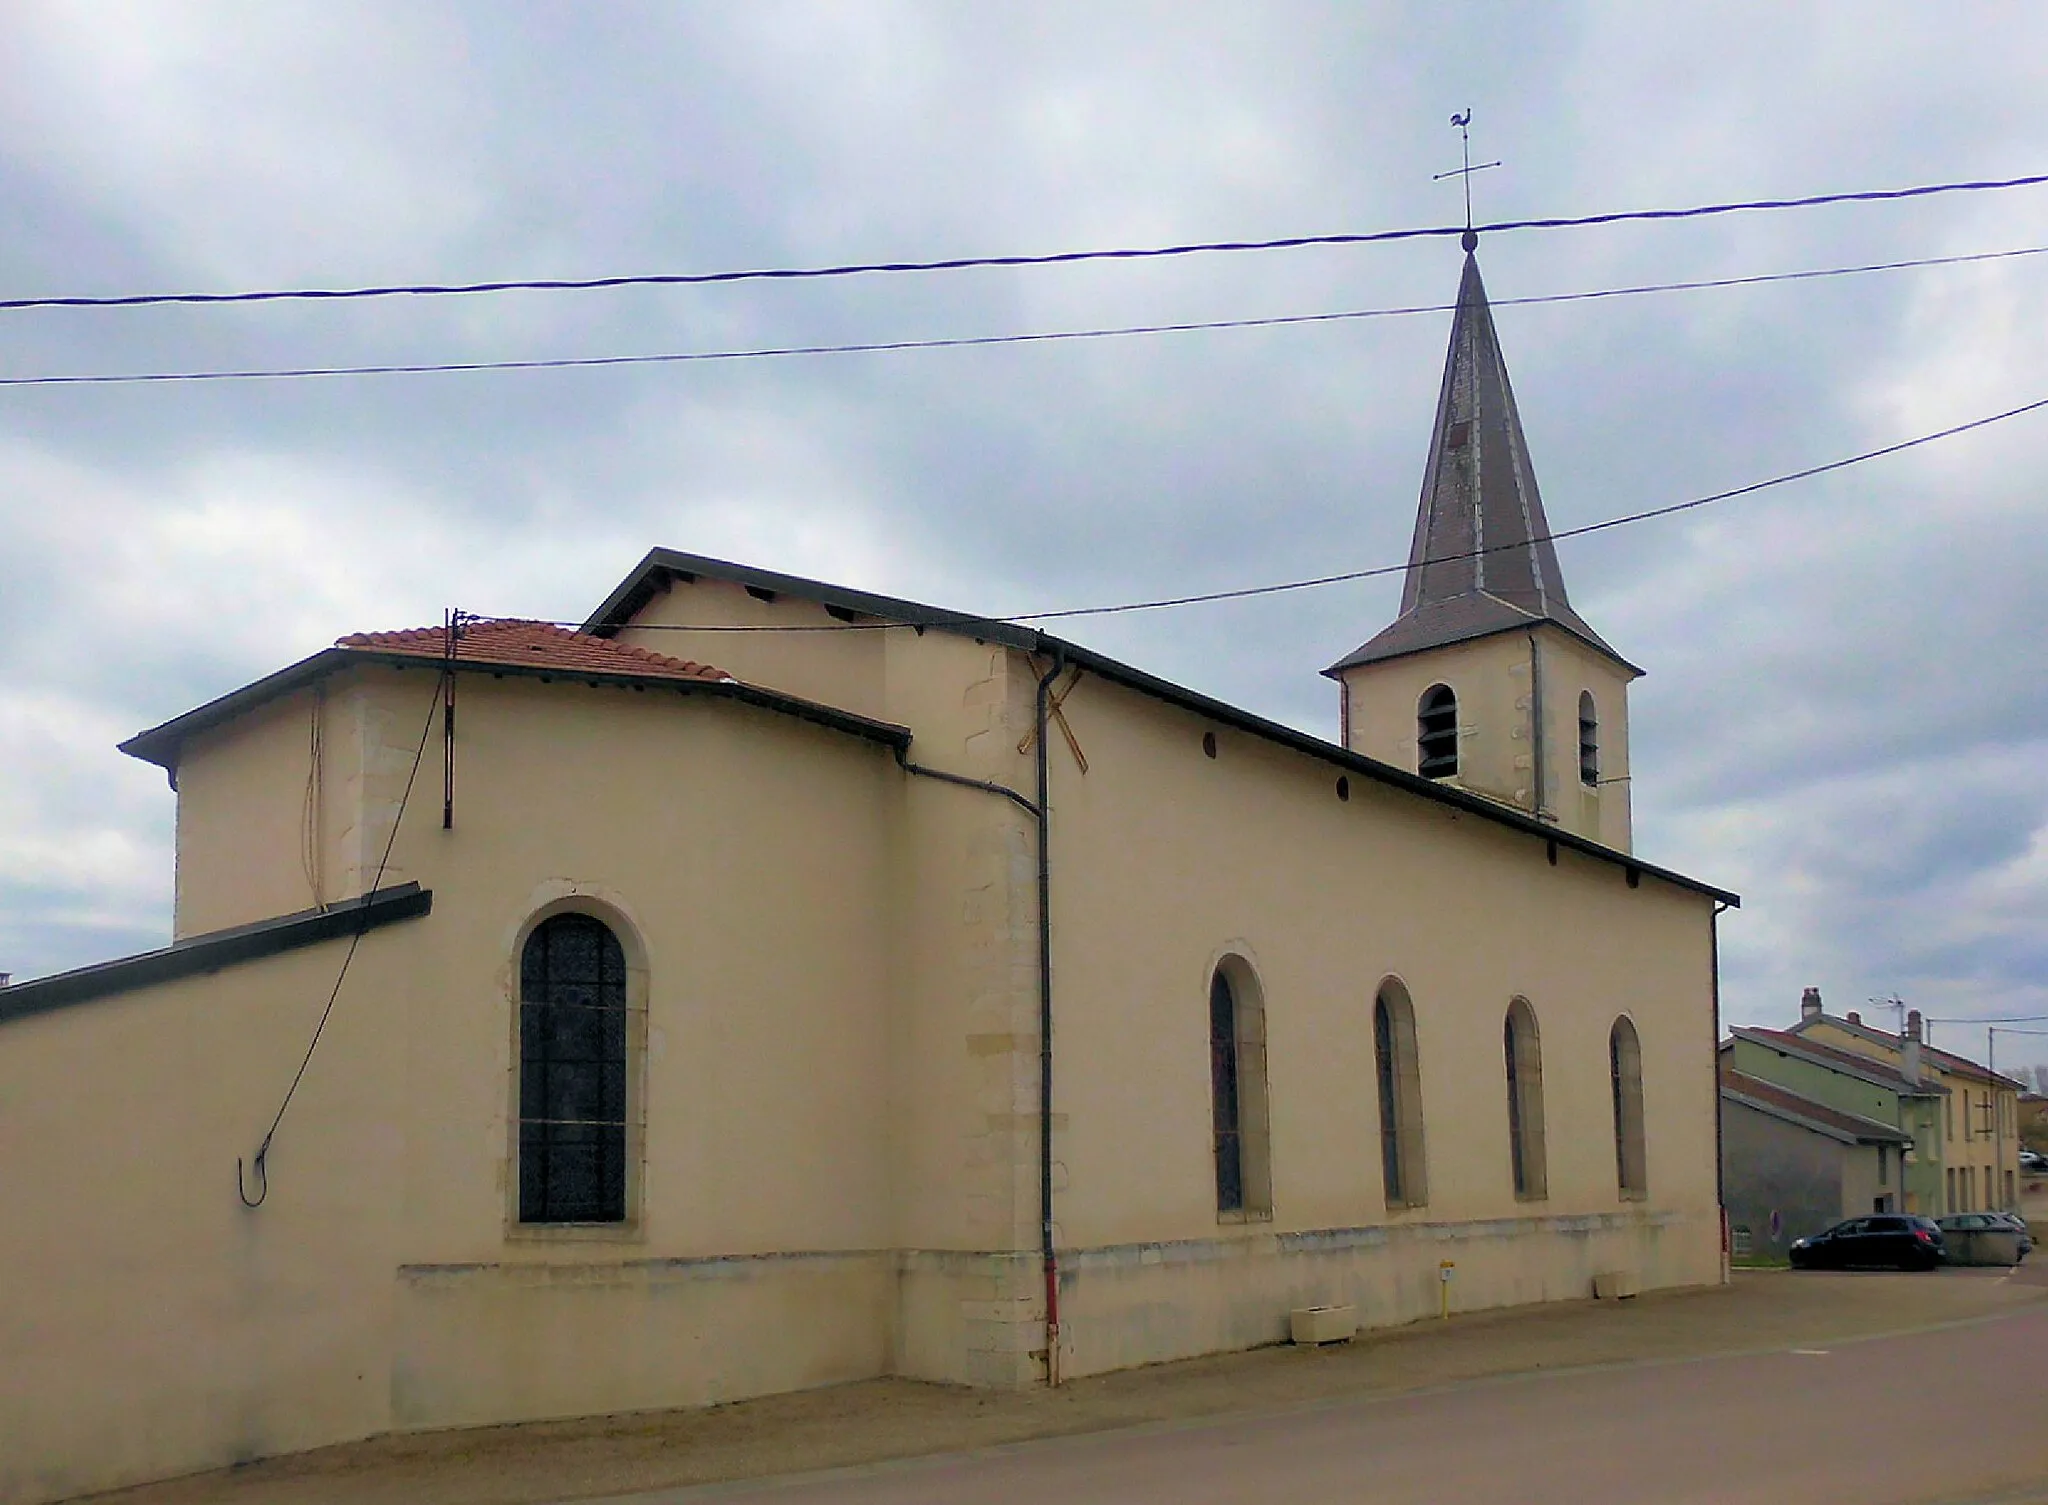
{"x":653,"y":575}
{"x":1481,"y":561}
{"x":501,"y":647}
{"x":511,"y":641}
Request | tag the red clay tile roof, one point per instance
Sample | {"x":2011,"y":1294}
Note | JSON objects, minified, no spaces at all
{"x":1771,"y":1095}
{"x":533,"y":644}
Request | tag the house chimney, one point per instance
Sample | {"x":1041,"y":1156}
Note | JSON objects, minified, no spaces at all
{"x":1809,"y":1004}
{"x":1909,"y":1048}
{"x":1854,"y":1017}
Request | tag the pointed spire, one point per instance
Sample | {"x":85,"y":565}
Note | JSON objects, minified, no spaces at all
{"x":1481,"y":561}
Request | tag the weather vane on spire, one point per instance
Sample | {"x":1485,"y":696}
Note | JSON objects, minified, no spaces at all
{"x":1463,"y":121}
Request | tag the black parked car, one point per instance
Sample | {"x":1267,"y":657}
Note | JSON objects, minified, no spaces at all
{"x":1885,"y":1241}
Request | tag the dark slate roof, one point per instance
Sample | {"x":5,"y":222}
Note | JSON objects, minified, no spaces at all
{"x":654,"y":574}
{"x":1947,"y":1060}
{"x":1847,"y":1062}
{"x":1784,"y":1103}
{"x":1481,"y":561}
{"x":216,"y":949}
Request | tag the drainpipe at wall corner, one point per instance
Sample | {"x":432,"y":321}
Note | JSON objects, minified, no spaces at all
{"x":1720,"y":1170}
{"x":1537,"y":771}
{"x":1046,"y":1246}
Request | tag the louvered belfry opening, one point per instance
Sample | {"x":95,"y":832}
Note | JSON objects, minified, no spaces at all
{"x":572,"y":1073}
{"x":1436,"y":733}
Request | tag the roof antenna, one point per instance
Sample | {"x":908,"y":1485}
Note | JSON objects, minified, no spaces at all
{"x":1463,"y":121}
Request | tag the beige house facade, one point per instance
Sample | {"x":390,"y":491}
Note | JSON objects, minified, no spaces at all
{"x":1979,"y":1142}
{"x":588,"y":1029}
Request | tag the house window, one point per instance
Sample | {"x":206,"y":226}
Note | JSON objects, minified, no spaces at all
{"x":1237,"y":1086}
{"x":1524,"y":1055}
{"x":1400,"y":1094}
{"x":1951,"y":1178}
{"x":1625,"y":1071}
{"x":1436,"y":738}
{"x":1589,"y":741}
{"x":1883,"y":1167}
{"x":572,"y":1073}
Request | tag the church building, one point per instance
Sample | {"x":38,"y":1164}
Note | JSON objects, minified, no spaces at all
{"x":662,"y":1013}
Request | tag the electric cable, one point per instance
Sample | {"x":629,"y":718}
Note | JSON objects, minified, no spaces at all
{"x":560,"y":363}
{"x":341,"y":976}
{"x":1244,"y":592}
{"x":1055,"y":258}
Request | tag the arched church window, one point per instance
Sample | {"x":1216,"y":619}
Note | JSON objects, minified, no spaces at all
{"x":1589,"y":740}
{"x":572,"y":1073}
{"x":1237,"y":1083}
{"x":1436,"y":739}
{"x":1523,"y":1049}
{"x":1399,"y":1079}
{"x":1625,"y":1070}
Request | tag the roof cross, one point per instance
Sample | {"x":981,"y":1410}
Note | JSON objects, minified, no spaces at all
{"x":1463,"y":121}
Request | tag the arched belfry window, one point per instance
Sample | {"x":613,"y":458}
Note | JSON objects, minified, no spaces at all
{"x":1399,"y":1080}
{"x":1436,"y":733}
{"x":1237,"y":1085}
{"x":1589,"y":740}
{"x":572,"y":1073}
{"x":1625,"y":1069}
{"x":1523,"y":1050}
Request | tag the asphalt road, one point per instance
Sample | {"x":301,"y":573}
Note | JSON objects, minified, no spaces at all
{"x":1947,"y":1415}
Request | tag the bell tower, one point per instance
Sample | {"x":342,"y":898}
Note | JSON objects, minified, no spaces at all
{"x":1488,"y":680}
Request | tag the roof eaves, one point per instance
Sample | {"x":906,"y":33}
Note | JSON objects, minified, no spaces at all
{"x":214,"y":950}
{"x":161,"y":745}
{"x":1873,"y":1072}
{"x":1786,"y":1115}
{"x":641,"y":586}
{"x":1361,"y":656}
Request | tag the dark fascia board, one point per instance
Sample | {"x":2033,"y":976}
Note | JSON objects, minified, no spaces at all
{"x":161,"y":745}
{"x":1351,"y":661}
{"x":1876,"y":1075}
{"x":215,"y":950}
{"x":1877,"y":1133}
{"x":650,"y":577}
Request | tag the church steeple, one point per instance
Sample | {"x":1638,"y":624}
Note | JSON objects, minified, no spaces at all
{"x":1488,"y":678}
{"x":1481,"y":561}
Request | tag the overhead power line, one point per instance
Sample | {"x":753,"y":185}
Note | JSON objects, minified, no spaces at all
{"x":1245,"y":592}
{"x":872,"y":347}
{"x":1055,"y":258}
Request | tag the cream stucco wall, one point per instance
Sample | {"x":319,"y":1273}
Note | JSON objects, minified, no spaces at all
{"x":837,"y":1095}
{"x":1496,"y":758}
{"x":744,"y":856}
{"x":1170,"y":860}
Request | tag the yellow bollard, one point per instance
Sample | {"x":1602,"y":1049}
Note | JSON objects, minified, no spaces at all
{"x":1443,"y":1285}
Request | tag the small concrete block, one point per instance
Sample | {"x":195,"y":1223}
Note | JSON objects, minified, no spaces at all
{"x":1323,"y":1324}
{"x":1615,"y":1285}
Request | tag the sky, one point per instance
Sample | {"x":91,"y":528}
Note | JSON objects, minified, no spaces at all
{"x":1843,"y":718}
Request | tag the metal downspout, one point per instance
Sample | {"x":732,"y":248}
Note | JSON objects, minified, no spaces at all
{"x":1050,"y":1254}
{"x":1720,"y":1173}
{"x":1536,"y":728}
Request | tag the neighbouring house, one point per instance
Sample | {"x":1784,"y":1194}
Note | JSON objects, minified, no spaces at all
{"x":913,"y":993}
{"x":1792,"y":1165}
{"x":1980,"y":1129}
{"x":1856,"y":1085}
{"x":2033,"y":1116}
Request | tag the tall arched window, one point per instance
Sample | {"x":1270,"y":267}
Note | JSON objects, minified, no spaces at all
{"x":1523,"y":1050}
{"x":1436,"y":733}
{"x":1625,"y":1068}
{"x":1402,"y":1167}
{"x":1589,"y":740}
{"x":572,"y":1073}
{"x":1237,"y":1083}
